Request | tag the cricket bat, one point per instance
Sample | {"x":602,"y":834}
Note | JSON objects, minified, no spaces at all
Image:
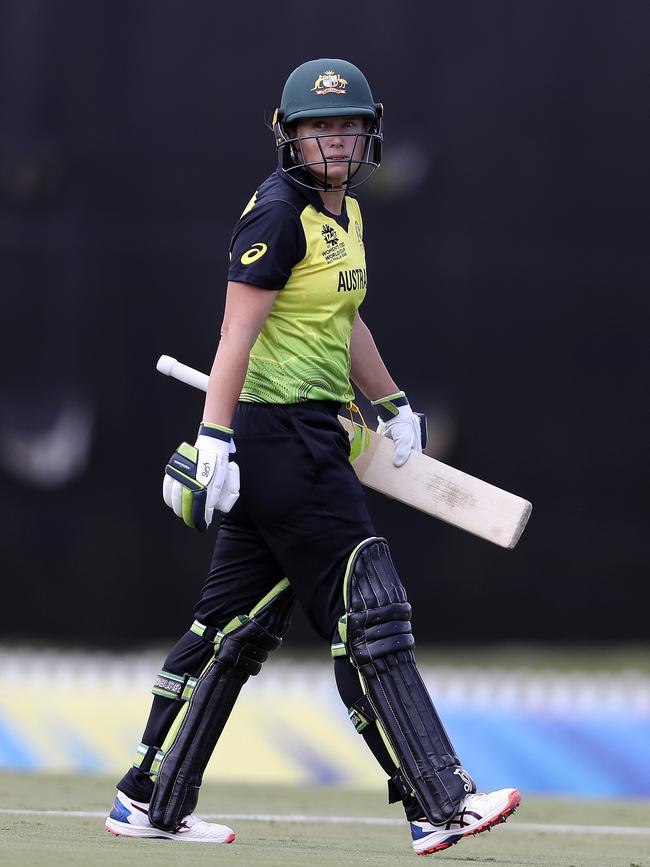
{"x":422,"y":482}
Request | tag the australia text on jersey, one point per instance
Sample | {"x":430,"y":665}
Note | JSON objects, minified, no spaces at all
{"x":353,"y":278}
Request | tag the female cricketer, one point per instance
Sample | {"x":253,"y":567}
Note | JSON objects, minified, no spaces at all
{"x":298,"y":529}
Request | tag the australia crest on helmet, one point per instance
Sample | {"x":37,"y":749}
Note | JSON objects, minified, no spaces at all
{"x":329,"y":82}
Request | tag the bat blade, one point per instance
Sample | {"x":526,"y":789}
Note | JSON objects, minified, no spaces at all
{"x":422,"y":483}
{"x":442,"y":491}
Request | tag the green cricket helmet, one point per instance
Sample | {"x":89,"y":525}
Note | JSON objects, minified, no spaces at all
{"x":327,"y":88}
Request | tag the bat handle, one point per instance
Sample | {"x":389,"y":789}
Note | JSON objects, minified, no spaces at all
{"x":423,"y":428}
{"x":171,"y":367}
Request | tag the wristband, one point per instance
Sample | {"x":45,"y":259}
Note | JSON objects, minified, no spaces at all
{"x":216,"y":431}
{"x":388,"y":407}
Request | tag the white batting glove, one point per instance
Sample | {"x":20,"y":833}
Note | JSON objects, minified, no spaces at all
{"x":406,"y":428}
{"x":200,"y":478}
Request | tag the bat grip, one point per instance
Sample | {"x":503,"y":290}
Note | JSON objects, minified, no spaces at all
{"x":171,"y":367}
{"x":424,"y":431}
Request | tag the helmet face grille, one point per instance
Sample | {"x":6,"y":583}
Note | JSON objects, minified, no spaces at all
{"x":313,"y":174}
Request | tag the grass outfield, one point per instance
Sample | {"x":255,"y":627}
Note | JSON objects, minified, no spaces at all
{"x":28,"y":840}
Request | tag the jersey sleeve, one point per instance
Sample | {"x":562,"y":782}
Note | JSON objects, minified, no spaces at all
{"x":267,"y":242}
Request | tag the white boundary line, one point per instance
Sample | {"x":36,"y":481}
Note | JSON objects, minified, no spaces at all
{"x":625,"y":830}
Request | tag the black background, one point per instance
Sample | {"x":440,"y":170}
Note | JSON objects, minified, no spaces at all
{"x":506,"y":236}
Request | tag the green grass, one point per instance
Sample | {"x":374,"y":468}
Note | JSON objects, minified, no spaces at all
{"x":52,"y":841}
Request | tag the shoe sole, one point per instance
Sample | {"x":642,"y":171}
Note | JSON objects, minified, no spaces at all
{"x":513,"y":802}
{"x":155,"y":834}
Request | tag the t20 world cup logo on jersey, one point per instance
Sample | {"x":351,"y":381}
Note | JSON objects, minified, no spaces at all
{"x":329,"y":82}
{"x":334,"y":247}
{"x":330,"y":236}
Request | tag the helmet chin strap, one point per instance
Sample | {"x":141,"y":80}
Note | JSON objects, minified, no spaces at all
{"x":324,"y":185}
{"x":307,"y":178}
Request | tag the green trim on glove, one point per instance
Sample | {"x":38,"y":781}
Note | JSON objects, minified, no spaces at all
{"x":188,"y":451}
{"x":187,"y":500}
{"x":389,"y":406}
{"x":220,"y":427}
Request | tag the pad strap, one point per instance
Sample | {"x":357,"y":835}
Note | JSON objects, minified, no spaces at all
{"x":170,"y":685}
{"x":145,"y":759}
{"x":362,"y":713}
{"x":398,"y":788}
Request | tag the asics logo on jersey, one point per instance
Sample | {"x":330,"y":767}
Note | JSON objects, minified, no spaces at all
{"x":256,"y":252}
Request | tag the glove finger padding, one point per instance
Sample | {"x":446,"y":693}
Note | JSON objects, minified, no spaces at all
{"x":230,"y":491}
{"x":218,"y":475}
{"x":405,"y":433}
{"x":168,"y":483}
{"x":177,"y":498}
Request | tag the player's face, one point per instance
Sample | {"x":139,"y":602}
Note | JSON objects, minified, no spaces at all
{"x":329,"y":143}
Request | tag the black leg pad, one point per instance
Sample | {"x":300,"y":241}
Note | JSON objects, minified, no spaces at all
{"x":380,"y":644}
{"x":241,"y":649}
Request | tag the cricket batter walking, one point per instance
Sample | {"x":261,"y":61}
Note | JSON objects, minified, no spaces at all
{"x":292,"y":341}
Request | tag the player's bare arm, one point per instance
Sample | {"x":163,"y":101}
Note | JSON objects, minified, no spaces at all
{"x":368,"y":371}
{"x":395,"y":419}
{"x":246,"y":311}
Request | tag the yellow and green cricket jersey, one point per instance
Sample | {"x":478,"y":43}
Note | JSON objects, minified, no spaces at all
{"x":286,"y":240}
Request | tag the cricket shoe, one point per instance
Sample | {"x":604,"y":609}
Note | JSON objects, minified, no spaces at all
{"x":130,"y":818}
{"x":476,"y":813}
